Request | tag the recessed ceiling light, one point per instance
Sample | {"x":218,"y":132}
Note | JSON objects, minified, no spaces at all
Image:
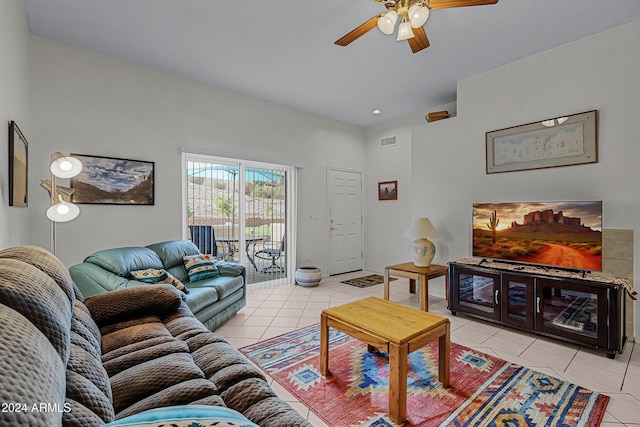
{"x":376,"y":112}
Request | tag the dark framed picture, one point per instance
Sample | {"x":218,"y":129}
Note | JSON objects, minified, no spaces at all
{"x":18,"y":166}
{"x":388,"y":190}
{"x":113,"y":181}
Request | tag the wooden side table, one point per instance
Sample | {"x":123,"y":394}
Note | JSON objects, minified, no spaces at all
{"x":421,"y":274}
{"x":397,"y":330}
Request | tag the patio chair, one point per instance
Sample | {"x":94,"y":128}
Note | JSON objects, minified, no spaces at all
{"x":203,"y":236}
{"x":272,"y":254}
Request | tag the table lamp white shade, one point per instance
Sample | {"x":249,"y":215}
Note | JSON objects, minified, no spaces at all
{"x":421,"y":249}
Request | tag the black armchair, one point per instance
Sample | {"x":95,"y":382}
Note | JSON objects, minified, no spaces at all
{"x":203,"y":236}
{"x":273,"y":254}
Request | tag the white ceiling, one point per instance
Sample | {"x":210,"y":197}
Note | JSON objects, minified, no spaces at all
{"x":283,"y":51}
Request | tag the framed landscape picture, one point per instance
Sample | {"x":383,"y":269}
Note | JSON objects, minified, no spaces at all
{"x":561,"y":141}
{"x":113,"y":181}
{"x":18,"y":166}
{"x":388,"y":190}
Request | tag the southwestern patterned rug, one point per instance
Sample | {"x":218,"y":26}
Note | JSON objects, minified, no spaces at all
{"x":366,"y":281}
{"x":485,"y":390}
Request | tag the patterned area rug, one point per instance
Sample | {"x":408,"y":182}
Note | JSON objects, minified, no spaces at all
{"x":485,"y":390}
{"x":366,"y":281}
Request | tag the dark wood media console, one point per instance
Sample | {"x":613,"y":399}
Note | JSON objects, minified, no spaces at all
{"x":579,"y":307}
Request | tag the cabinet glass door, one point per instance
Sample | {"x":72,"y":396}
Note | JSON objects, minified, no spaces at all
{"x":517,"y":301}
{"x":572,"y":311}
{"x":477,"y":293}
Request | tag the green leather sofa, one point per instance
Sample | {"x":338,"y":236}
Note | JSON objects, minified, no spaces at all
{"x":212,"y":301}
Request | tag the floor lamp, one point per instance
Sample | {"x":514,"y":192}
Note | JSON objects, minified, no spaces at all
{"x":61,"y":209}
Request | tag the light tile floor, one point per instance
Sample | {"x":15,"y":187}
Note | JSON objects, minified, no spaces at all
{"x":272,"y":311}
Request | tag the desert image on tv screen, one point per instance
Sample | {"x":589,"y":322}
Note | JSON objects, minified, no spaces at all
{"x":562,"y":234}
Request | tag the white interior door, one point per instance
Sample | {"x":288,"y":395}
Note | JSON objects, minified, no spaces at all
{"x":345,"y":221}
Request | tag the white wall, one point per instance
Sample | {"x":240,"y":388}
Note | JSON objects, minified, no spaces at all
{"x":14,"y":221}
{"x":599,"y":72}
{"x":88,"y":103}
{"x":386,"y":221}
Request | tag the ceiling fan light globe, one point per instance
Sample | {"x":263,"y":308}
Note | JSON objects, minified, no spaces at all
{"x":418,"y":15}
{"x":387,"y":22}
{"x":404,"y":31}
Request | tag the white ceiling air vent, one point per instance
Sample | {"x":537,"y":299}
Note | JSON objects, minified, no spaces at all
{"x":388,"y":142}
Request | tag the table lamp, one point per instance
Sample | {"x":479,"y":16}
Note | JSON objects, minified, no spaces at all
{"x":421,"y":249}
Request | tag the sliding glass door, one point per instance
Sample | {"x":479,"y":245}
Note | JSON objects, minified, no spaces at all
{"x":238,"y":211}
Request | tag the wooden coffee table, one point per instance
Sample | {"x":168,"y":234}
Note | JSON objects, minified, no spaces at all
{"x":392,"y":328}
{"x":413,"y":273}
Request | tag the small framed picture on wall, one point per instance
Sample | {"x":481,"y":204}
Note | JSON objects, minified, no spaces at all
{"x":388,"y":190}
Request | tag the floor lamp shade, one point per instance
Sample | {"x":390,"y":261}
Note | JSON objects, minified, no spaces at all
{"x":65,"y":166}
{"x":421,"y":249}
{"x":61,"y":209}
{"x":63,"y":212}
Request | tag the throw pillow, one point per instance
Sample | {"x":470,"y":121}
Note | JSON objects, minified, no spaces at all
{"x":161,"y":276}
{"x":185,"y":416}
{"x":200,"y":267}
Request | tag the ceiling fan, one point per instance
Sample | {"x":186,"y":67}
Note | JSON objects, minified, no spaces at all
{"x":413,"y":15}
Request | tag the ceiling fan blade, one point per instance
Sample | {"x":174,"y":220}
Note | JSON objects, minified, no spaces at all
{"x":358,"y":32}
{"x":419,"y":40}
{"x":445,"y":4}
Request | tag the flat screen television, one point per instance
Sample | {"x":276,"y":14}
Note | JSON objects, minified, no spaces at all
{"x":558,"y":234}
